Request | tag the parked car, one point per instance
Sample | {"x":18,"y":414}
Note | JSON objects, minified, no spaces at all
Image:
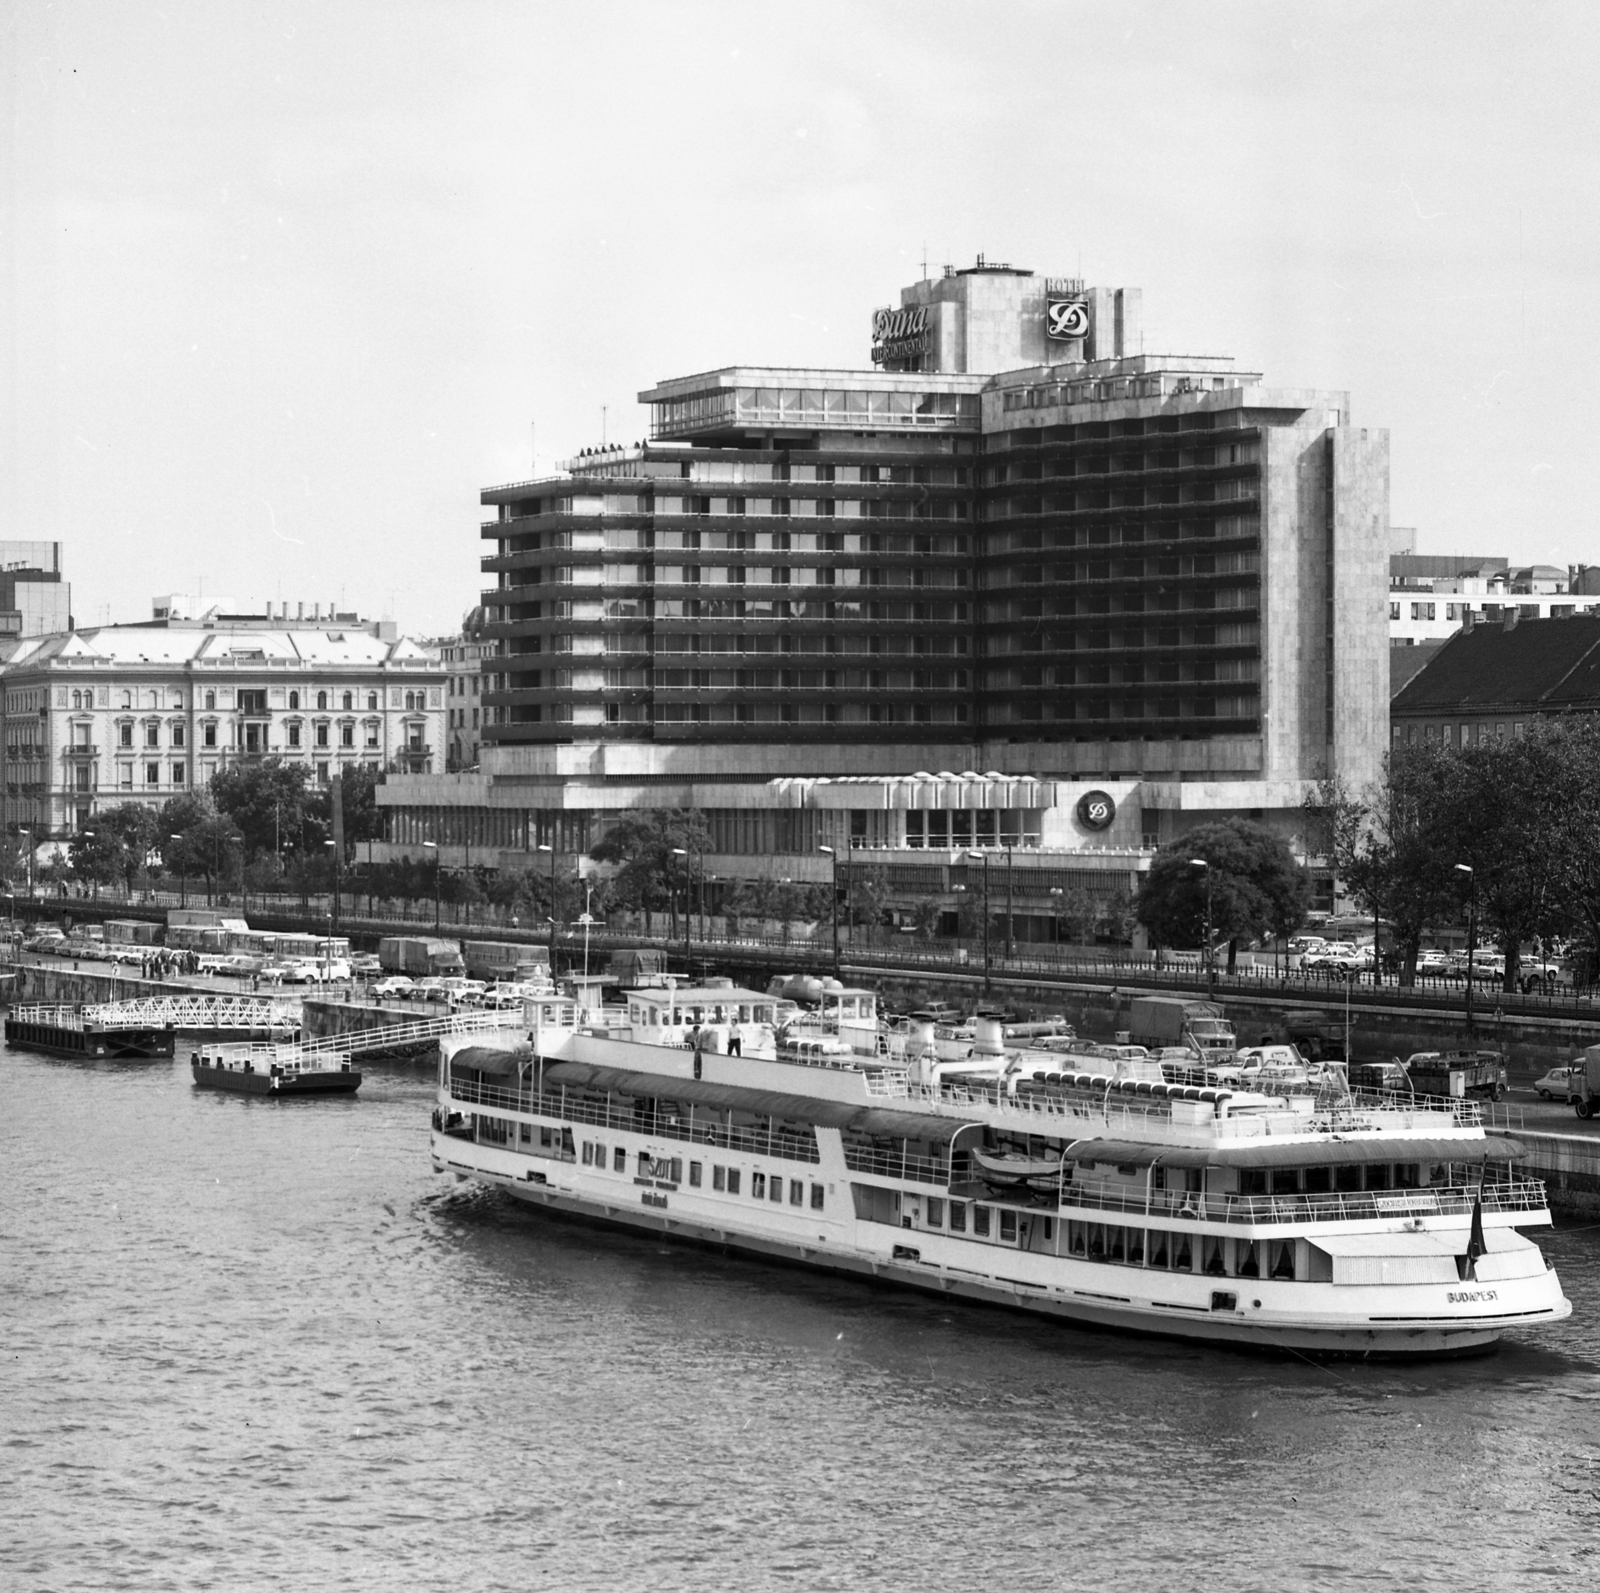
{"x":430,"y":989}
{"x":44,"y":944}
{"x":397,"y":987}
{"x":364,"y":964}
{"x":1558,"y":1082}
{"x":1433,"y":963}
{"x":1337,"y":958}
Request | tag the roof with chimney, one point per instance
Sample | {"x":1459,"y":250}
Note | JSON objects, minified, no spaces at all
{"x":1537,"y":666}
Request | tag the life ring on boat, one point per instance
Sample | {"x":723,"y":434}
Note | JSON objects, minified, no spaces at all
{"x":1189,"y":1210}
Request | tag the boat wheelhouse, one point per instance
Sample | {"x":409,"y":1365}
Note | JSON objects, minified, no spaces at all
{"x":1299,"y":1222}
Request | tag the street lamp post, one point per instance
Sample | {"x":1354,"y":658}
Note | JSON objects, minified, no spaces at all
{"x":984,"y":858}
{"x":680,"y":851}
{"x":1011,"y":905}
{"x":433,"y":846}
{"x":1211,"y":966}
{"x":21,"y":830}
{"x":1056,"y":893}
{"x":1472,"y":933}
{"x":183,"y":873}
{"x":552,"y":851}
{"x":833,"y":896}
{"x":333,"y":916}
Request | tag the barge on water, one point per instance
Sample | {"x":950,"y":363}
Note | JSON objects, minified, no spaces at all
{"x":69,"y":1031}
{"x":1300,"y":1221}
{"x":277,"y":1079}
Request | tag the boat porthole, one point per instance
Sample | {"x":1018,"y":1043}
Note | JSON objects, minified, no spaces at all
{"x":1256,"y":1304}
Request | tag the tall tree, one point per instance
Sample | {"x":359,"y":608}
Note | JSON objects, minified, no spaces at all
{"x":655,"y":854}
{"x":272,"y":805}
{"x":1256,"y":887}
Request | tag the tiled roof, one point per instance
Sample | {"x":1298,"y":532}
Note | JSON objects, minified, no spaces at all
{"x":1539,"y":664}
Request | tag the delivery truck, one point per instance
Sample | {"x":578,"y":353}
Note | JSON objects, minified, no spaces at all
{"x":505,"y":959}
{"x":1584,"y":1085}
{"x":420,"y":956}
{"x":1162,"y":1022}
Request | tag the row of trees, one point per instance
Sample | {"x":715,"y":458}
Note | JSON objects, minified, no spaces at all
{"x":259,"y":826}
{"x":1509,"y":830}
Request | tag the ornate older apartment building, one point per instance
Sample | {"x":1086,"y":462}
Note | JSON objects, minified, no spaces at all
{"x":124,"y":713}
{"x":1018,"y":544}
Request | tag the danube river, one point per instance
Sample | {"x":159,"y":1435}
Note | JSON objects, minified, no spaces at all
{"x":258,"y":1345}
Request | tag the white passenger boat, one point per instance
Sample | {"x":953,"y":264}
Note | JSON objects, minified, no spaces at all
{"x":1220,"y":1214}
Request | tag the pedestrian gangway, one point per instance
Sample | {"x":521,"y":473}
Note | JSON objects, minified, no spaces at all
{"x":412,"y":1035}
{"x":198,"y":1012}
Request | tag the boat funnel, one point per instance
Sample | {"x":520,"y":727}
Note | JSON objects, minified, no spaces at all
{"x":988,"y":1036}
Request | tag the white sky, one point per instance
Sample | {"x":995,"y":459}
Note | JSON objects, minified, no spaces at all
{"x":288,"y":282}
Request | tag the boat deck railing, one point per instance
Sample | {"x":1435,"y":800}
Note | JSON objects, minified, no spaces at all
{"x":1454,"y":1200}
{"x":1135,"y":1114}
{"x":694,"y":1130}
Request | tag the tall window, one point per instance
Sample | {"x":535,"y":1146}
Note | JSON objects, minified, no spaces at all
{"x":322,"y":699}
{"x":349,"y":701}
{"x":294,"y":699}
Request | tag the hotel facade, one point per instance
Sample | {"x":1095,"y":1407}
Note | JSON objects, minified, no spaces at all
{"x":1018,"y":585}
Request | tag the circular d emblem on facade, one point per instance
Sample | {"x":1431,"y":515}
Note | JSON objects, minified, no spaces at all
{"x":1096,"y":810}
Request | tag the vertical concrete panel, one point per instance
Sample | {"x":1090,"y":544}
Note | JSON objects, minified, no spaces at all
{"x":1102,"y":340}
{"x":1293,"y":626}
{"x":1130,"y":321}
{"x":1360,"y":598}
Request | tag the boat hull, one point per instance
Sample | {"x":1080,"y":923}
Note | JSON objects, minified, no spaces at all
{"x":128,"y":1045}
{"x":260,"y":1081}
{"x":1248,"y":1329}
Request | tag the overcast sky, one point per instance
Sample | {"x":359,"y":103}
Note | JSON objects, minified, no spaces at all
{"x":288,"y":283}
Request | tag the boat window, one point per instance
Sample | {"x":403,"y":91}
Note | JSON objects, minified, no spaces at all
{"x":1008,"y":1227}
{"x":776,"y":1188}
{"x":1407,"y":1175}
{"x":525,"y":1133}
{"x":1116,"y":1244}
{"x":758,"y":1186}
{"x":980,"y":1221}
{"x":694,"y":1175}
{"x":797,"y":1192}
{"x":1318,"y":1180}
{"x":1183,"y":1256}
{"x":546,"y":1137}
{"x":763,"y":1014}
{"x":818,"y":1195}
{"x":1158,"y":1178}
{"x":620,"y":1160}
{"x":958,"y":1216}
{"x":1213,"y":1254}
{"x":733,"y":1180}
{"x":1248,"y":1265}
{"x":1136,"y":1247}
{"x":1378,"y":1175}
{"x":1283,"y":1266}
{"x":719,"y":1177}
{"x":588,"y":1154}
{"x":1253,"y":1181}
{"x":1286,"y":1181}
{"x":1158,"y":1249}
{"x":935,"y":1212}
{"x":1346,"y":1178}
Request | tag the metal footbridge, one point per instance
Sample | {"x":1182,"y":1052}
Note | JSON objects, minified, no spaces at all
{"x":199,"y":1014}
{"x":330,"y":1050}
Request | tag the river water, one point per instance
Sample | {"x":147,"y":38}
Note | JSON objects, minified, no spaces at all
{"x":251,"y":1344}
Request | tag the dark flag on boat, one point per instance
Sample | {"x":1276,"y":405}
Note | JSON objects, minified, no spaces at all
{"x":1475,"y":1245}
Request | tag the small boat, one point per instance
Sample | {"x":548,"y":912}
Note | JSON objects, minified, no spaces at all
{"x":243,"y":1077}
{"x":1009,"y":1167}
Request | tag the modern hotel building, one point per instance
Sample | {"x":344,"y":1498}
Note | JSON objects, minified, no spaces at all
{"x":952,"y":601}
